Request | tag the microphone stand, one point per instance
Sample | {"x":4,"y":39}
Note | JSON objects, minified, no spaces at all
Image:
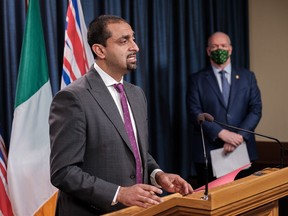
{"x":205,"y":197}
{"x":252,"y":132}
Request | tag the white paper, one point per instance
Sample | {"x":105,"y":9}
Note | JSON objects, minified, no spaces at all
{"x":226,"y":163}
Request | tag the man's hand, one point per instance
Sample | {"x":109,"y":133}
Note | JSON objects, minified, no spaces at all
{"x":230,"y":137}
{"x":142,"y":195}
{"x":228,"y":148}
{"x":173,"y":183}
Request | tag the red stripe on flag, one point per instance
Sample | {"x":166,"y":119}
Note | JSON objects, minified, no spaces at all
{"x":67,"y":64}
{"x":78,"y":49}
{"x":5,"y":205}
{"x":3,"y":169}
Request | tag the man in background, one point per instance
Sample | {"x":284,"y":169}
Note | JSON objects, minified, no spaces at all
{"x":231,"y":96}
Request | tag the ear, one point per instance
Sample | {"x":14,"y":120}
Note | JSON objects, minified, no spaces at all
{"x":230,"y":50}
{"x":99,"y":50}
{"x":208,"y":51}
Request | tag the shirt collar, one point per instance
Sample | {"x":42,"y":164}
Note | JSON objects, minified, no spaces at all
{"x":108,"y":80}
{"x":227,"y":69}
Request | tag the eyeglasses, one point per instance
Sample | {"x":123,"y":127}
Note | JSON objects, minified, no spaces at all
{"x":219,"y":46}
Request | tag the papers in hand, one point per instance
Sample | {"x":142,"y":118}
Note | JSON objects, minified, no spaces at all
{"x":225,"y":163}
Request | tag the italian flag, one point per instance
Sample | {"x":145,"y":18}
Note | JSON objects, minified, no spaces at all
{"x":28,"y":161}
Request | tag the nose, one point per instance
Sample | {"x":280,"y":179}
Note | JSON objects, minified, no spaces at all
{"x":134,"y":46}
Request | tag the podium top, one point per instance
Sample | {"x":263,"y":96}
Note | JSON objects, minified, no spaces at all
{"x":262,"y":187}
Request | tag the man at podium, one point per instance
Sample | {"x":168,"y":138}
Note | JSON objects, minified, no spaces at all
{"x":99,"y":133}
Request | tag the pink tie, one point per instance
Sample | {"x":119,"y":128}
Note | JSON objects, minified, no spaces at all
{"x":129,"y":129}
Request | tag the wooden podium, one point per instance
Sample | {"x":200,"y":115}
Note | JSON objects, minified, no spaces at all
{"x":255,"y":195}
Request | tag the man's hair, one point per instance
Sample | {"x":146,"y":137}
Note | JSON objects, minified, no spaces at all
{"x":98,"y":32}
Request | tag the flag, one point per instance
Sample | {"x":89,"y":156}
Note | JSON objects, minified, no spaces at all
{"x":5,"y":205}
{"x":77,"y":53}
{"x":28,"y":162}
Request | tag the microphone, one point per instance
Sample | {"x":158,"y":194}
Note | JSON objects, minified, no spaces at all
{"x":210,"y":118}
{"x":201,"y":119}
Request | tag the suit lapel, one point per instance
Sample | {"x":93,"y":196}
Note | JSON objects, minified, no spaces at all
{"x":214,"y":85}
{"x":103,"y":97}
{"x":235,"y":78}
{"x":136,"y":111}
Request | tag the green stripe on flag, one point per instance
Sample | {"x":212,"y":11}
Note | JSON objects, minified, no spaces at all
{"x":33,"y":63}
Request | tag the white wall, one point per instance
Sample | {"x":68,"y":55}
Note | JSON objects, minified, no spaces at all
{"x":268,"y":20}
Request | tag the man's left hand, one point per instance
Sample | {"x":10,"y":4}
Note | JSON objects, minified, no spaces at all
{"x":173,"y":183}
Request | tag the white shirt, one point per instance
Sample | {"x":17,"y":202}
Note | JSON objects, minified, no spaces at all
{"x":109,"y":82}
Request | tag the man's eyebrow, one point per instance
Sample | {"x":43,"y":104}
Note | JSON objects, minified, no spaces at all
{"x":127,"y":36}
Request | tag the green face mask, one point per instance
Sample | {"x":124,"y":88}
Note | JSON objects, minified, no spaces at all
{"x":219,"y":56}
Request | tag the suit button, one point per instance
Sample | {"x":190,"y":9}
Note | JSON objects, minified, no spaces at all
{"x":132,"y":176}
{"x":92,"y":206}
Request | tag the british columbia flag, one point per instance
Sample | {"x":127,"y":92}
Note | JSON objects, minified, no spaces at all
{"x":77,"y":53}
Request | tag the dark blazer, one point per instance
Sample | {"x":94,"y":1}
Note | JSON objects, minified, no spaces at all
{"x":244,"y":109}
{"x":90,"y":150}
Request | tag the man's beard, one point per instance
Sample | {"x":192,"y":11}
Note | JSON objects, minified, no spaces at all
{"x":131,"y":66}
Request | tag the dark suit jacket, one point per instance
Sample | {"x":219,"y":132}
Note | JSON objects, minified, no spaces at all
{"x":244,"y":109}
{"x":90,"y":151}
